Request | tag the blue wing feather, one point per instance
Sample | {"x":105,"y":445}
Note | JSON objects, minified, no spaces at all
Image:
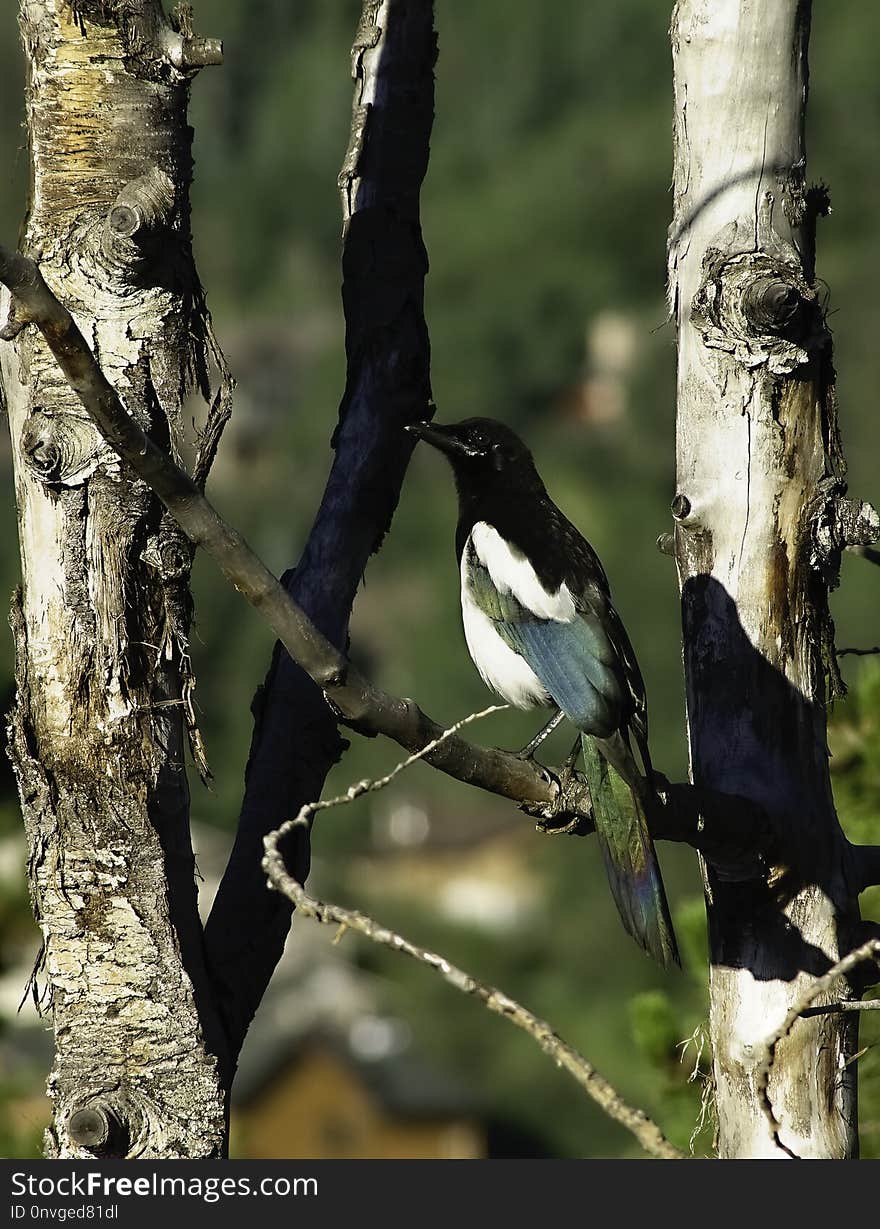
{"x":576,"y":661}
{"x":568,"y":659}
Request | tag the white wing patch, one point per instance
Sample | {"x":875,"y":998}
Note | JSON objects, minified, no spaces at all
{"x":501,"y":669}
{"x":512,"y":574}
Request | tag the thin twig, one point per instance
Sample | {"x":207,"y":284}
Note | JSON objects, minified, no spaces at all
{"x":830,"y":1008}
{"x":309,"y":809}
{"x":858,"y":652}
{"x":854,"y":1058}
{"x":596,"y":1086}
{"x":867,"y":951}
{"x":579,"y":1068}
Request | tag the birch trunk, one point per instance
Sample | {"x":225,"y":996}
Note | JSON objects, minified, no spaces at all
{"x":761,"y":519}
{"x":100,"y":623}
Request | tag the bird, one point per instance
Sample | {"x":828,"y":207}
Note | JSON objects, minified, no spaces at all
{"x":542,"y":631}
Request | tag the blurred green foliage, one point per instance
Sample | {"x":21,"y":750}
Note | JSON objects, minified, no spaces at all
{"x":545,"y":210}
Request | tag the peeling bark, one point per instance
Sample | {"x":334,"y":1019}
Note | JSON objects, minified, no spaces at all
{"x":98,"y":732}
{"x":761,"y":520}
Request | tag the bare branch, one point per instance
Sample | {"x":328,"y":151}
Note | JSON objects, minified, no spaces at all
{"x":858,"y":652}
{"x":583,"y":1072}
{"x":866,"y":952}
{"x":722,"y":827}
{"x":356,"y":700}
{"x":309,"y":809}
{"x":579,"y":1068}
{"x":844,"y":1005}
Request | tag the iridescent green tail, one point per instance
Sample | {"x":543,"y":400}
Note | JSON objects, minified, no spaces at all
{"x":630,"y":861}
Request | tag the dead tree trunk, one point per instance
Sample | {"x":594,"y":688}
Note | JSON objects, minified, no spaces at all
{"x":761,"y":520}
{"x":100,"y":623}
{"x":384,"y":264}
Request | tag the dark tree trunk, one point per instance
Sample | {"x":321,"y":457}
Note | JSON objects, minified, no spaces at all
{"x":295,"y":739}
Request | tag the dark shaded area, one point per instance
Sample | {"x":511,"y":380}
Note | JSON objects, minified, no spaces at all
{"x":384,"y":264}
{"x":775,"y":755}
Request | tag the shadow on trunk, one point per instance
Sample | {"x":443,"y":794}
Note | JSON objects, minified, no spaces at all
{"x":775,"y":754}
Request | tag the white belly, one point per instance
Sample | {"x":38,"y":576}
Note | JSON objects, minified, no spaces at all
{"x":501,"y":669}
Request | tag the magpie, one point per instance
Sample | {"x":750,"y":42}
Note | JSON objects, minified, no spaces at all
{"x":542,"y":630}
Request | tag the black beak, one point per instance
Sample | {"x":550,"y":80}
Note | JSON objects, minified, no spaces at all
{"x":443,"y":438}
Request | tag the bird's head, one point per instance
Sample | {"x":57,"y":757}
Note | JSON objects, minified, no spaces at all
{"x":482,"y":452}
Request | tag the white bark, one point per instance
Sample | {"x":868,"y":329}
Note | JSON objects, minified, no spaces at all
{"x":101,"y":620}
{"x":761,"y":520}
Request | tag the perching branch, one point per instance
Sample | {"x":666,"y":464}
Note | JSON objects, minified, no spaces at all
{"x":722,"y":827}
{"x":636,"y":1121}
{"x":357,"y":701}
{"x":800,"y":1008}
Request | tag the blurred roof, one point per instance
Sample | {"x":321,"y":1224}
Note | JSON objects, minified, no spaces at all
{"x":404,"y":1083}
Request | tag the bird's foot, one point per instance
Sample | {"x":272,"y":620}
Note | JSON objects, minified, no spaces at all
{"x":566,"y":825}
{"x":528,"y":751}
{"x":572,"y":759}
{"x":567,"y":773}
